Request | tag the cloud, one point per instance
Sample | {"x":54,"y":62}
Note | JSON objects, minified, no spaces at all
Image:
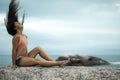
{"x":67,"y":26}
{"x":2,"y":16}
{"x":71,"y":35}
{"x":117,"y":5}
{"x":4,"y":5}
{"x":64,"y":28}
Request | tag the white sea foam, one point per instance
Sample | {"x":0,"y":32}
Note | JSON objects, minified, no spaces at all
{"x":115,"y":62}
{"x":72,"y":54}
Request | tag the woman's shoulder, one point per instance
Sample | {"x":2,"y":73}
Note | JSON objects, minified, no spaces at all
{"x":25,"y":35}
{"x":16,"y":38}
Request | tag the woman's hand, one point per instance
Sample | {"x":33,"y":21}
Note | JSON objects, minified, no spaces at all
{"x":14,"y":67}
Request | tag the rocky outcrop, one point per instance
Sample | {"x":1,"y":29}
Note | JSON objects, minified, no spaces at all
{"x":60,"y":73}
{"x":80,"y":60}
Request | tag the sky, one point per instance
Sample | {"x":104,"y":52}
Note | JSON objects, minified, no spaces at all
{"x":67,"y":26}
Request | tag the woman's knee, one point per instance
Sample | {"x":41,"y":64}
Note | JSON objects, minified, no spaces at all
{"x":38,"y":48}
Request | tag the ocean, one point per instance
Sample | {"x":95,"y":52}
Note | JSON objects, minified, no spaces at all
{"x":6,"y":60}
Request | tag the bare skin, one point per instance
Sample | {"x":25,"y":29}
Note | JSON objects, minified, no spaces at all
{"x":30,"y":59}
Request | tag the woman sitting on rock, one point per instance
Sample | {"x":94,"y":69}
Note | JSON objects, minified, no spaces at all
{"x":20,"y":55}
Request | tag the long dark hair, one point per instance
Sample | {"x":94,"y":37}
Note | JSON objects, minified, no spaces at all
{"x":12,"y":16}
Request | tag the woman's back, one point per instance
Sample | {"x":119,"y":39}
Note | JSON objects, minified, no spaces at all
{"x":22,"y":46}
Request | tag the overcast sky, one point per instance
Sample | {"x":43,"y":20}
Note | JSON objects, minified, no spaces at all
{"x":67,"y":26}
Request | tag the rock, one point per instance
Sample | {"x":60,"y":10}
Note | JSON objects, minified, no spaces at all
{"x":79,"y":60}
{"x":60,"y":73}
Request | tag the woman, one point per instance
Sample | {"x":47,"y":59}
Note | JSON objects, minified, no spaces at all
{"x":20,"y":55}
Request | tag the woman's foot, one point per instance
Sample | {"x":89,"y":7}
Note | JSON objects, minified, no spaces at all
{"x":62,"y":63}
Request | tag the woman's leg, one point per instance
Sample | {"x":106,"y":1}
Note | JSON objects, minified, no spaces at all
{"x":28,"y":61}
{"x":39,"y":51}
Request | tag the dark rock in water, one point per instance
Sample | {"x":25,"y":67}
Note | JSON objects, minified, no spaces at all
{"x":79,"y":60}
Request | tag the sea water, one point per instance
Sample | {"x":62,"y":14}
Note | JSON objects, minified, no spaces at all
{"x":6,"y":60}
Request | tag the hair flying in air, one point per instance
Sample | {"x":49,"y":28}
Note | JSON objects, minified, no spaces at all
{"x":12,"y":17}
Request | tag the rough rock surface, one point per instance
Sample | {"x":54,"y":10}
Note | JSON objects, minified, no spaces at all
{"x":60,"y":73}
{"x":79,"y":60}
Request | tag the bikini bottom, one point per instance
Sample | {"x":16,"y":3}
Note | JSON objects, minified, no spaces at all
{"x":18,"y":61}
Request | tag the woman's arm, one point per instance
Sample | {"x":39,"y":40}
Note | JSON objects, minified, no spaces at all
{"x":14,"y":50}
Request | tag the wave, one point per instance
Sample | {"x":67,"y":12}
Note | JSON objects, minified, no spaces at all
{"x":114,"y":62}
